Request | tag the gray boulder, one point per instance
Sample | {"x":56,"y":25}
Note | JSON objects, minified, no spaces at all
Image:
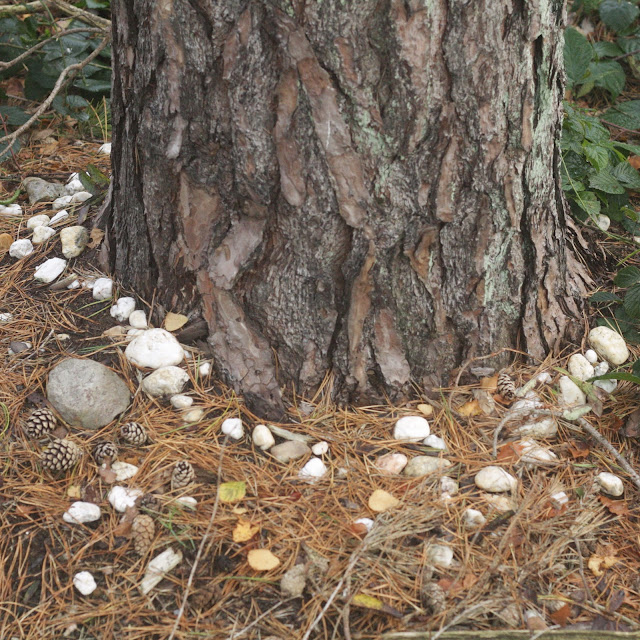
{"x":86,"y":393}
{"x":39,"y":189}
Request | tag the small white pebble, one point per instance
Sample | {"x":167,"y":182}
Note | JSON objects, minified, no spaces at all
{"x":205,"y":369}
{"x":74,"y":186}
{"x":6,"y":317}
{"x":435,"y":442}
{"x":320,"y":448}
{"x":412,"y":428}
{"x":262,"y":437}
{"x":63,"y":214}
{"x":80,"y":196}
{"x":103,"y":289}
{"x":193,"y":416}
{"x":80,"y":512}
{"x":74,"y":285}
{"x":602,"y":222}
{"x":591,"y":356}
{"x":37,"y":221}
{"x":610,"y":483}
{"x":42,"y":234}
{"x":180,"y":401}
{"x":61,"y":203}
{"x":49,"y":270}
{"x":314,"y":468}
{"x":122,"y":309}
{"x":367,"y":522}
{"x":123,"y":470}
{"x":187,"y":501}
{"x":440,"y":555}
{"x":121,"y":497}
{"x":187,"y":354}
{"x":105,"y":149}
{"x":448,"y":485}
{"x":495,"y":479}
{"x":559,"y":499}
{"x":233,"y":428}
{"x":138,"y":319}
{"x":472,"y":518}
{"x":85,"y":583}
{"x":544,"y":377}
{"x":10,"y":210}
{"x":21,"y":249}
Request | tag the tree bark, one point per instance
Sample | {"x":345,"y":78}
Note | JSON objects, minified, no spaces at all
{"x":368,"y":189}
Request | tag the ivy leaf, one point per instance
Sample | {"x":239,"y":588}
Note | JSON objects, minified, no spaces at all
{"x":626,"y":277}
{"x":605,"y":181}
{"x":618,"y":14}
{"x":578,"y":53}
{"x":597,"y":155}
{"x":625,"y":114}
{"x":631,"y":302}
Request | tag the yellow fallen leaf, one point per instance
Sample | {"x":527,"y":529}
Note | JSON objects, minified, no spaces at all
{"x":174,"y":321}
{"x":471,"y":408}
{"x":491,"y":384}
{"x":425,"y":409}
{"x":239,"y":511}
{"x":95,"y":237}
{"x":382,"y":501}
{"x":244,"y":531}
{"x":595,"y":562}
{"x":369,"y":602}
{"x":232,"y":491}
{"x":6,"y":241}
{"x":74,"y":491}
{"x":262,"y":560}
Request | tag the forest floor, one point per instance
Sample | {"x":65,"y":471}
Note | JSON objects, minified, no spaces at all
{"x":535,"y":564}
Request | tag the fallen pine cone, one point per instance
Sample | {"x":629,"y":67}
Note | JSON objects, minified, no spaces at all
{"x":133,"y":433}
{"x":61,"y":455}
{"x":150,"y":503}
{"x":142,"y":532}
{"x":183,"y":475}
{"x":40,"y":423}
{"x":506,"y":386}
{"x":105,"y":450}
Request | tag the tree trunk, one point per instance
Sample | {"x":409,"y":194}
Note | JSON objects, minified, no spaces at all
{"x":368,"y":189}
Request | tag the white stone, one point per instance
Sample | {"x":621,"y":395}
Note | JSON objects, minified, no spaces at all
{"x":61,"y":202}
{"x":591,"y":356}
{"x":80,"y":196}
{"x":320,"y":448}
{"x":545,"y":427}
{"x":21,"y":249}
{"x":180,"y":401}
{"x":165,"y":381}
{"x":187,"y":354}
{"x":636,"y":239}
{"x":102,"y":289}
{"x":73,"y":186}
{"x":472,"y":518}
{"x":205,"y":369}
{"x":155,"y":348}
{"x":448,"y":485}
{"x":6,"y":317}
{"x":135,"y":332}
{"x":50,"y":269}
{"x":392,"y":463}
{"x":530,"y":402}
{"x":10,"y":210}
{"x":121,"y":497}
{"x":495,"y":480}
{"x":532,"y":452}
{"x":123,"y":470}
{"x":42,"y":234}
{"x":63,"y":214}
{"x":193,"y":416}
{"x":435,"y":442}
{"x":367,"y":522}
{"x":601,"y":368}
{"x":74,"y":240}
{"x":122,"y":309}
{"x":84,"y":582}
{"x":423,"y":465}
{"x":74,"y":285}
{"x":579,"y":367}
{"x":314,"y":468}
{"x":559,"y":499}
{"x":440,"y":555}
{"x":158,"y":568}
{"x":138,"y":319}
{"x":500,"y":502}
{"x":187,"y":501}
{"x":609,"y":345}
{"x":105,"y":149}
{"x":544,"y":377}
{"x":610,"y":483}
{"x":607,"y":385}
{"x":412,"y":428}
{"x":81,"y":512}
{"x":262,"y":437}
{"x":602,"y":222}
{"x":37,"y":221}
{"x":233,"y":428}
{"x":570,"y":392}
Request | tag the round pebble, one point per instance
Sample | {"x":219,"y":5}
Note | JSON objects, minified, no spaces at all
{"x":412,"y":428}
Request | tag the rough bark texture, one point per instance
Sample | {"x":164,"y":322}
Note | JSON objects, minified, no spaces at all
{"x":368,"y":188}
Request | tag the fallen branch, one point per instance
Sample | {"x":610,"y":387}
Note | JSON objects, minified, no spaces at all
{"x":66,"y":8}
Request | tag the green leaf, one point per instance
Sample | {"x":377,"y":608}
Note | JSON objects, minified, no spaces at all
{"x":597,"y":155}
{"x":633,"y":148}
{"x":635,"y":369}
{"x":629,"y":377}
{"x":14,"y":116}
{"x":631,"y":302}
{"x":604,"y":296}
{"x":607,"y":49}
{"x":605,"y":181}
{"x":627,"y":277}
{"x":87,"y":183}
{"x":578,"y":53}
{"x":77,"y":102}
{"x":5,"y":152}
{"x":97,"y":176}
{"x":609,"y":76}
{"x":588,"y":201}
{"x":627,"y":175}
{"x":618,"y":14}
{"x":625,"y":114}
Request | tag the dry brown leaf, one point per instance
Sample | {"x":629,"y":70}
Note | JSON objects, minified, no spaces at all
{"x":358,"y":529}
{"x":36,"y":136}
{"x":425,"y":409}
{"x":95,"y":238}
{"x":561,"y":616}
{"x":579,"y":449}
{"x":471,"y":408}
{"x":174,"y":321}
{"x":510,"y":452}
{"x":6,"y":240}
{"x":50,"y":148}
{"x":262,"y":560}
{"x":491,"y":384}
{"x":381,"y":500}
{"x":596,"y":562}
{"x":485,"y":401}
{"x":244,"y":531}
{"x":634,"y":161}
{"x":619,"y":507}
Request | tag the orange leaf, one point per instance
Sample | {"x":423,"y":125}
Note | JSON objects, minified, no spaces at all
{"x":619,"y":507}
{"x":634,"y":161}
{"x":469,"y":409}
{"x":561,"y":616}
{"x":579,"y":449}
{"x":358,"y":529}
{"x":262,"y":560}
{"x":489,"y":383}
{"x":509,"y":452}
{"x":244,"y":531}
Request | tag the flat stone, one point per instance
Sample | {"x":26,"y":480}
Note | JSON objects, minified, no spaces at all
{"x":154,"y":348}
{"x":38,"y":190}
{"x":42,"y":234}
{"x":37,"y":221}
{"x":86,"y":393}
{"x":288,"y":451}
{"x":423,"y":465}
{"x":74,"y":240}
{"x":495,"y":479}
{"x":392,"y":463}
{"x":165,"y":381}
{"x":49,"y":270}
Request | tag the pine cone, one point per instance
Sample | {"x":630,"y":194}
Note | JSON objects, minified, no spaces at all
{"x":142,"y":532}
{"x":183,"y":475}
{"x":40,"y":423}
{"x":506,"y":385}
{"x":433,"y":598}
{"x":61,"y":455}
{"x":105,"y":450}
{"x":133,"y":433}
{"x":149,"y":502}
